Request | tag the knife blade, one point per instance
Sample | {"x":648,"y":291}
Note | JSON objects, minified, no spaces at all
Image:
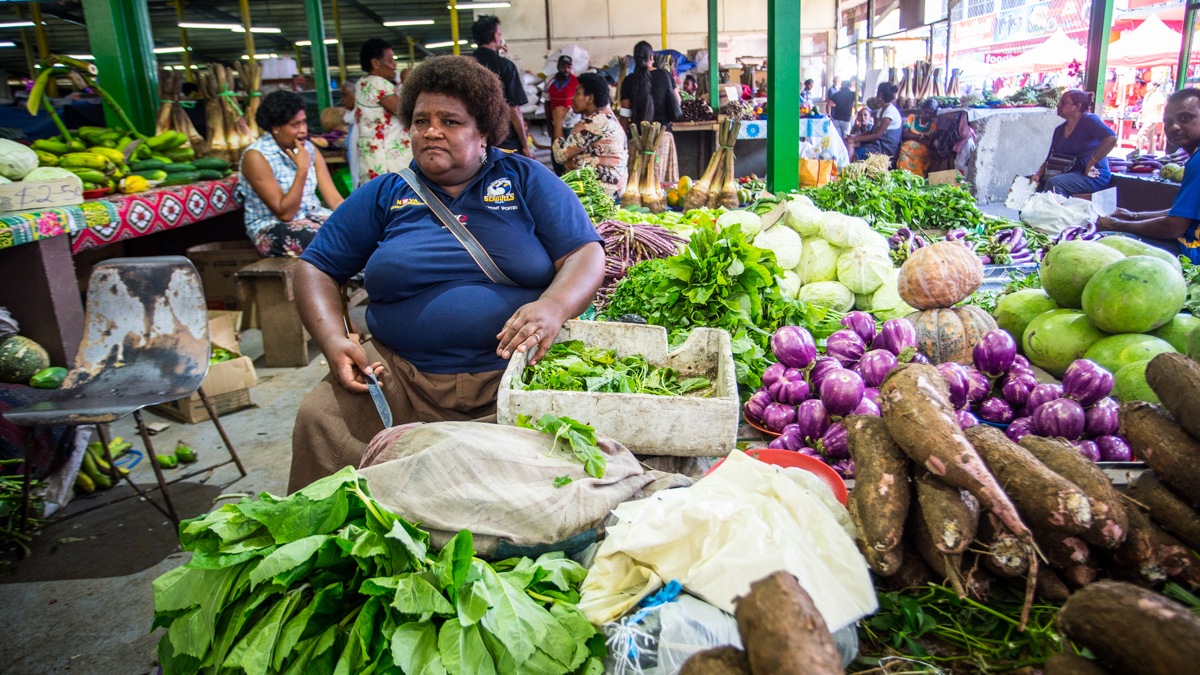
{"x":381,"y":404}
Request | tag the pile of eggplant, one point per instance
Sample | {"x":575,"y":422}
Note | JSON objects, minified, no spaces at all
{"x":903,"y":242}
{"x":1088,"y":233}
{"x":1007,"y":247}
{"x":1135,"y":163}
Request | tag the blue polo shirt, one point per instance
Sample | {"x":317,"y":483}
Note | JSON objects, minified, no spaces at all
{"x":1187,"y":205}
{"x":430,"y":302}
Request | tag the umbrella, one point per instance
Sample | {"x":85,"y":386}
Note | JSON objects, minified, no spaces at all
{"x":1055,"y":54}
{"x":1150,"y":44}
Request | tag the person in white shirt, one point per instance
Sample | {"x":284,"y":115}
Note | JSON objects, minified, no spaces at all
{"x":1150,"y":120}
{"x":885,"y":138}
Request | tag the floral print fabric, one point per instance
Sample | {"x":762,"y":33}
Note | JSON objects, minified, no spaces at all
{"x":287,"y":239}
{"x":914,"y":157}
{"x":604,"y":149}
{"x":383,"y":147}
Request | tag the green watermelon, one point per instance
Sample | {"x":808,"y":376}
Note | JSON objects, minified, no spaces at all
{"x":1057,"y":338}
{"x":1117,"y":351}
{"x":1015,"y":310}
{"x":1131,"y":247}
{"x":1134,"y":295}
{"x":1129,"y":384}
{"x":1070,"y":265}
{"x":1177,"y":330}
{"x":21,"y":359}
{"x":1193,"y":346}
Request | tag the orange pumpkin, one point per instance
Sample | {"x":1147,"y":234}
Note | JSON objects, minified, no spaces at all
{"x":940,"y":275}
{"x":950,"y":334}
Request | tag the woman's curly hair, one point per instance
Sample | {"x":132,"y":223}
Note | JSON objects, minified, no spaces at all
{"x":277,"y":109}
{"x":463,"y":78}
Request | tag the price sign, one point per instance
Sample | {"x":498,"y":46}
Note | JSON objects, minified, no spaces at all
{"x":45,"y":194}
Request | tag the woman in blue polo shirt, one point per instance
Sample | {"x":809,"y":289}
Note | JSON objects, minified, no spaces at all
{"x":442,"y":331}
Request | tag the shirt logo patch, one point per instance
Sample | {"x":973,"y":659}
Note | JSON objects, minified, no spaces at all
{"x":401,"y":203}
{"x":499,"y":191}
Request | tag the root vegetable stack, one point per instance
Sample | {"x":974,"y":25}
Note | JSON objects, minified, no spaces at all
{"x":643,"y":188}
{"x":717,"y":186}
{"x":171,"y":115}
{"x":228,"y":132}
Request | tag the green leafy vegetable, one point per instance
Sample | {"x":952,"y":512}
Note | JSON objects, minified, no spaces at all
{"x":328,"y":581}
{"x":220,"y":355}
{"x":560,"y":481}
{"x":578,"y":435}
{"x":573,"y":366}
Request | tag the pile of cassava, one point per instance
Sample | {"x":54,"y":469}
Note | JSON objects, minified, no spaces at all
{"x":969,"y":508}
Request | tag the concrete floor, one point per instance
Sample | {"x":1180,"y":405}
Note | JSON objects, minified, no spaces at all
{"x":82,"y":602}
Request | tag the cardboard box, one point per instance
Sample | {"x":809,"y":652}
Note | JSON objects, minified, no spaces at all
{"x":217,"y":264}
{"x":943,"y":177}
{"x":227,"y":384}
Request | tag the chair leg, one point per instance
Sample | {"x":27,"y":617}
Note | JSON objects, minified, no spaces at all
{"x":162,"y":483}
{"x":212,"y":413}
{"x":120,"y":474}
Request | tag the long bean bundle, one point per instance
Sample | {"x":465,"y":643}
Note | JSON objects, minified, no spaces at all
{"x":627,"y":244}
{"x":591,"y":192}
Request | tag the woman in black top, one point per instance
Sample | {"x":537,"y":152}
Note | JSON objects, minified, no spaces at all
{"x":650,"y":94}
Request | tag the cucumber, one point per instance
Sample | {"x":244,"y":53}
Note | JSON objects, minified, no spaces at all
{"x":210,"y":163}
{"x":181,"y":178}
{"x":154,"y":155}
{"x":152,"y":174}
{"x":179,"y":167}
{"x":146,"y":165}
{"x":208,"y":174}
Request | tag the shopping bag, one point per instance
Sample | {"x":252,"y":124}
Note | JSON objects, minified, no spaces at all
{"x":1052,"y":213}
{"x":817,"y":172}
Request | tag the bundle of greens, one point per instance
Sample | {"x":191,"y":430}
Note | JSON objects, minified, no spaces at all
{"x":573,"y":366}
{"x":328,"y":581}
{"x":220,"y":355}
{"x":592,"y":193}
{"x":1191,"y":274}
{"x":10,"y":507}
{"x":900,"y":197}
{"x":723,"y":281}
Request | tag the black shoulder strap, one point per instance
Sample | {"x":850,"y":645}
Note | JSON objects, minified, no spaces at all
{"x":456,"y":228}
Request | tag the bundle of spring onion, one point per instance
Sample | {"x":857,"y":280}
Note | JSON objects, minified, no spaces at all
{"x":717,"y":187}
{"x":643,"y":187}
{"x":627,"y":244}
{"x":591,"y":192}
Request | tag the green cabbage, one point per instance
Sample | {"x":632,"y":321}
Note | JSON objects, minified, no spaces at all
{"x":819,"y":262}
{"x":829,"y":294}
{"x":887,"y":296}
{"x":845,"y":231}
{"x":47,"y":173}
{"x":895,"y":313}
{"x":750,"y":223}
{"x":863,"y":269}
{"x":878,"y":242}
{"x":803,"y":199}
{"x":789,"y":284}
{"x":804,"y":218}
{"x":16,"y":160}
{"x":785,"y":243}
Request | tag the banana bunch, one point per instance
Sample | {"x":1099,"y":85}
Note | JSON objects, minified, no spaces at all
{"x":95,"y":472}
{"x":99,"y":156}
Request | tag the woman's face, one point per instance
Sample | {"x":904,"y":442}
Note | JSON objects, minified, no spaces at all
{"x":445,"y":140}
{"x":287,"y":135}
{"x":1066,"y":107}
{"x":927,"y":114}
{"x":385,"y":65}
{"x":583,"y":103}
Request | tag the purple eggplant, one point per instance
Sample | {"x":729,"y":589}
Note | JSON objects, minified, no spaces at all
{"x":867,"y":407}
{"x":812,"y":420}
{"x":824,"y":366}
{"x":956,"y":380}
{"x":776,"y":416}
{"x":994,"y":353}
{"x":844,"y":468}
{"x":833,"y":442}
{"x":1019,"y":360}
{"x":1043,"y":394}
{"x":794,"y":347}
{"x":875,"y":365}
{"x":985,"y":260}
{"x":1060,"y":418}
{"x":995,"y":410}
{"x":756,"y":404}
{"x":780,"y":443}
{"x":1101,"y":419}
{"x":871,"y":394}
{"x":918,"y":357}
{"x":862,"y":324}
{"x":846,"y":346}
{"x":1114,"y":449}
{"x":791,"y":388}
{"x":1016,"y":388}
{"x":1020,"y":428}
{"x":956,"y":234}
{"x":978,"y":385}
{"x":897,"y":336}
{"x":1086,"y":381}
{"x":965,"y":419}
{"x":841,"y":392}
{"x":772,"y":374}
{"x":1088,"y":449}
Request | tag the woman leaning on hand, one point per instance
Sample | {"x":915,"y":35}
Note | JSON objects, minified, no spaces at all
{"x":1079,"y":148}
{"x":442,"y":329}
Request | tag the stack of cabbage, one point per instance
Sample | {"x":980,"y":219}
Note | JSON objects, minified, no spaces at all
{"x":832,"y":260}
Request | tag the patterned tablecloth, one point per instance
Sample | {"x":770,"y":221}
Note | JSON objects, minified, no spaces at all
{"x":102,"y":221}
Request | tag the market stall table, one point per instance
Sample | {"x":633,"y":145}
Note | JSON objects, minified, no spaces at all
{"x":1141,"y":192}
{"x":36,"y":247}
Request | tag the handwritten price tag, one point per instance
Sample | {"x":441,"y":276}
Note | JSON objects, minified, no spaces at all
{"x":41,"y":194}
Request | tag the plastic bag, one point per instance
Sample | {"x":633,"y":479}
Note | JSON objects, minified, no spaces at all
{"x":1020,"y":192}
{"x":1052,"y":213}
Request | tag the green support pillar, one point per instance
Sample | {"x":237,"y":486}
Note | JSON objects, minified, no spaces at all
{"x":119,"y":31}
{"x":714,"y":63}
{"x":320,"y":53}
{"x":783,"y":95}
{"x":1185,"y":49}
{"x":1097,"y":57}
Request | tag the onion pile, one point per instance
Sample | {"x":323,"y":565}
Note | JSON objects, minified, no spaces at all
{"x":1002,"y":389}
{"x":805,"y":395}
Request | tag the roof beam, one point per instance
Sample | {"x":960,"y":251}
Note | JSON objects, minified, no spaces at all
{"x":226,"y":17}
{"x":372,"y":15}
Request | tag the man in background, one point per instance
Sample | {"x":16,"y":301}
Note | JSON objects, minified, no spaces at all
{"x":840,"y":108}
{"x":486,"y":33}
{"x":1150,"y":119}
{"x":806,"y":94}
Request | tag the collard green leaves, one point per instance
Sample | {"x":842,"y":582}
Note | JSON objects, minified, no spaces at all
{"x":573,"y":366}
{"x":579,"y":437}
{"x":276,"y":586}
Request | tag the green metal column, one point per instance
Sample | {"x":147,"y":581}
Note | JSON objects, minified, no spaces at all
{"x":1185,"y":49}
{"x":783,"y":95}
{"x":1097,"y":57}
{"x":320,"y":55}
{"x":119,"y":31}
{"x":714,"y":63}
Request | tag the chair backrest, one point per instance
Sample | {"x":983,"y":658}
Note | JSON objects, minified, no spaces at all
{"x":146,"y":331}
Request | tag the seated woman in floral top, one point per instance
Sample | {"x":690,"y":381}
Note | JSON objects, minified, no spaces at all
{"x":598,"y":141}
